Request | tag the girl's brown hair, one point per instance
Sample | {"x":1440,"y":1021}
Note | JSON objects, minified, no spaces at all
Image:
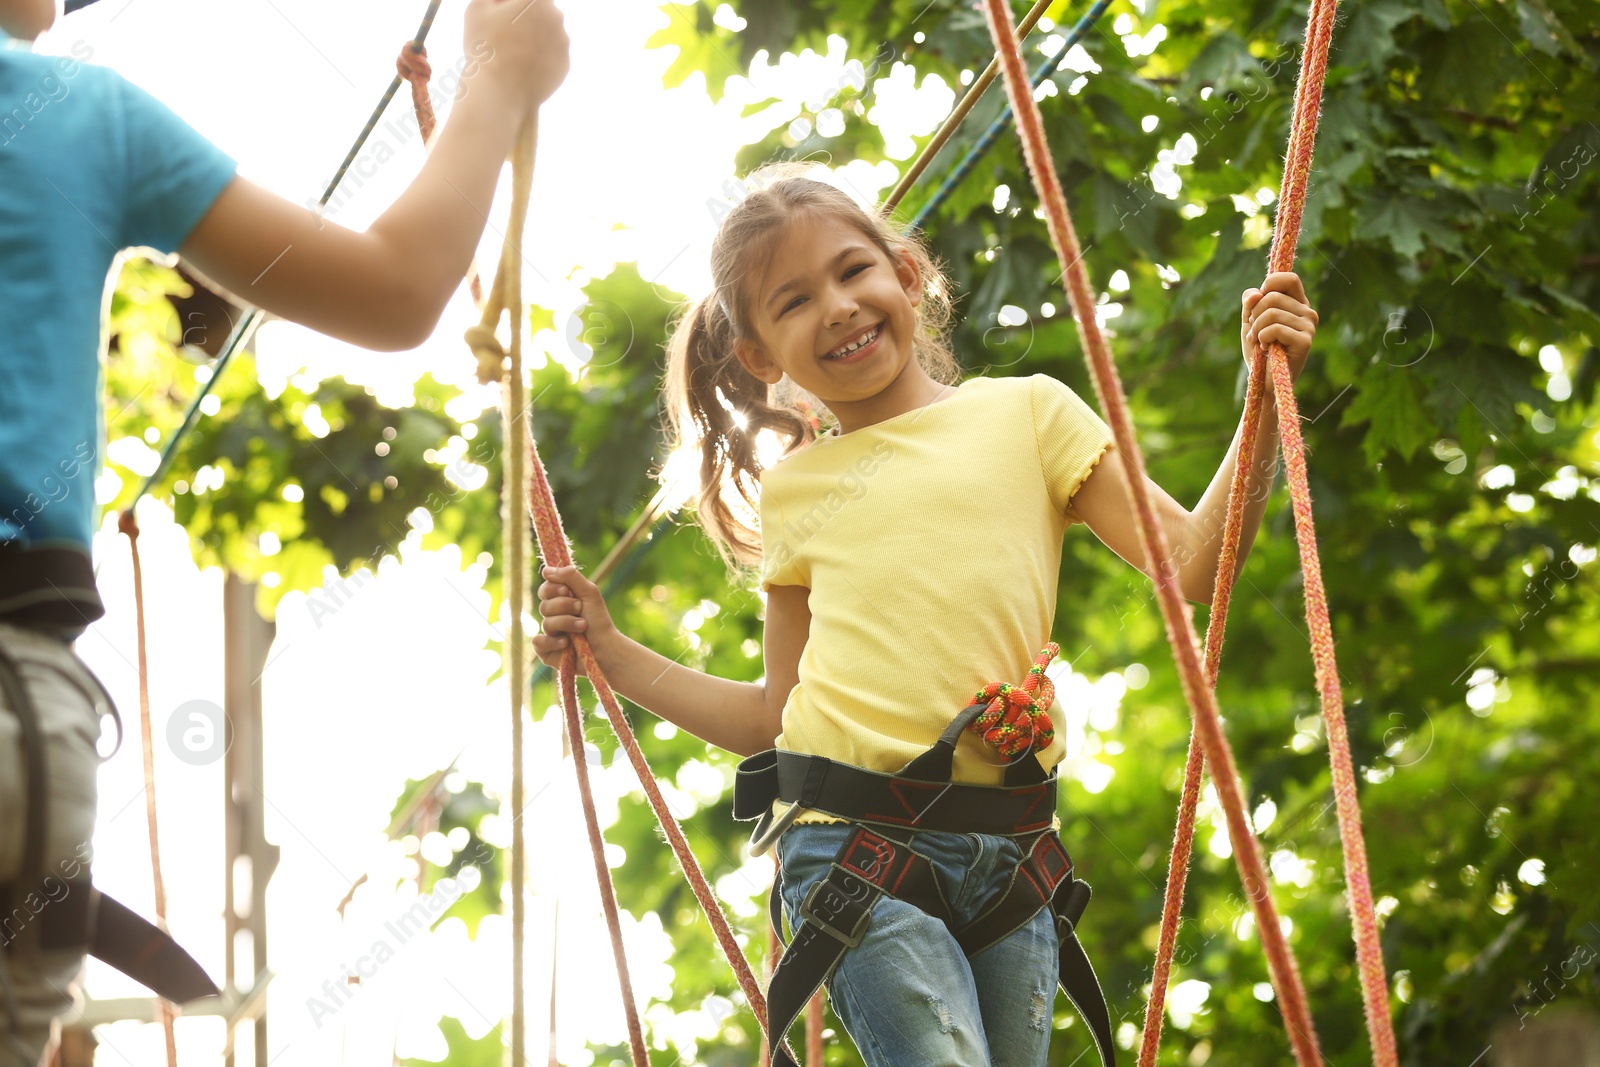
{"x":705,"y":380}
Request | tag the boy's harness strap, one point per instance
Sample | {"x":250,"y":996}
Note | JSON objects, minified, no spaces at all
{"x":70,"y":913}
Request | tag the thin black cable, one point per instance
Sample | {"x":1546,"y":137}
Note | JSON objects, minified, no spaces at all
{"x":377,"y":112}
{"x":254,"y":316}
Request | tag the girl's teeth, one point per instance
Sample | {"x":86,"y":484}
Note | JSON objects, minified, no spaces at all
{"x":868,"y":339}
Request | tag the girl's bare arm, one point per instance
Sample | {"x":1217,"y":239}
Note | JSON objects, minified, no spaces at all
{"x":742,"y":717}
{"x":1276,"y":312}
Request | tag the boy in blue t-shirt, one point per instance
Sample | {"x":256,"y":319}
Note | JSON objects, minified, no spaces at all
{"x":91,"y":165}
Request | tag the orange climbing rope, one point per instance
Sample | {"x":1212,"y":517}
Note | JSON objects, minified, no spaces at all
{"x":412,"y":65}
{"x":1180,"y":629}
{"x":129,"y":526}
{"x":1291,"y":198}
{"x":522,"y":450}
{"x":553,"y":547}
{"x":1016,"y":718}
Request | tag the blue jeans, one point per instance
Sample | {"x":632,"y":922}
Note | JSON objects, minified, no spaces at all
{"x":907,"y":994}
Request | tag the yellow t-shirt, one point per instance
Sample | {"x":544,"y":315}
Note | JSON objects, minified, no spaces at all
{"x":931,"y":544}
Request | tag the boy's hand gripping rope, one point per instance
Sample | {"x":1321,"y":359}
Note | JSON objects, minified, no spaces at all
{"x":1179,"y":626}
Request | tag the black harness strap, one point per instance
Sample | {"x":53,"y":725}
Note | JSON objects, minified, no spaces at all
{"x":1045,"y":865}
{"x":1044,"y":878}
{"x":835,"y":915}
{"x":879,"y":857}
{"x":72,"y":913}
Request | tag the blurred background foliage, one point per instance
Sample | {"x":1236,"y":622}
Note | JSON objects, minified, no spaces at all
{"x":1451,"y":244}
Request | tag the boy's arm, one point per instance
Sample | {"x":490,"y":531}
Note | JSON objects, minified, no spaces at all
{"x":386,"y":288}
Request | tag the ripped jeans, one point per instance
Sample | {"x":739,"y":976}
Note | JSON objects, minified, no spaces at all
{"x":907,"y":994}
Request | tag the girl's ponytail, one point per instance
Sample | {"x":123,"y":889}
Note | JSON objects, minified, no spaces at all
{"x":709,"y":394}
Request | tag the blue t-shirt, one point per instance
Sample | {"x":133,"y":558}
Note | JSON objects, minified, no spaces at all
{"x":90,"y":164}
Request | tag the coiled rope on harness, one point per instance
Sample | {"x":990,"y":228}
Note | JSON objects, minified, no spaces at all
{"x":1180,"y":628}
{"x":1016,"y":718}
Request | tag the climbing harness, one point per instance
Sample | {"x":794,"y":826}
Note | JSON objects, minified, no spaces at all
{"x":881,"y":858}
{"x":70,"y":913}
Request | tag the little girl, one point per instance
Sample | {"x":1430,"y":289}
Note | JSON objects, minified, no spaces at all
{"x":909,"y":547}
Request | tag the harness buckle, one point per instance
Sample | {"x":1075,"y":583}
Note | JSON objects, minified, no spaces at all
{"x":769,"y":829}
{"x":829,"y":906}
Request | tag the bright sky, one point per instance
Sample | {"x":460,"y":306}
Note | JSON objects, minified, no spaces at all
{"x":394,"y":683}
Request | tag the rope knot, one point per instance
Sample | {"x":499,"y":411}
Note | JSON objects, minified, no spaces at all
{"x":1017,"y":718}
{"x":490,"y":352}
{"x":413,"y":64}
{"x":128,"y":524}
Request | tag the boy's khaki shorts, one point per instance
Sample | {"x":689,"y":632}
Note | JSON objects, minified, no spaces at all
{"x":36,"y":986}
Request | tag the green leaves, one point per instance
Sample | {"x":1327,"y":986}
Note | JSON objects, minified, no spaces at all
{"x":703,"y":47}
{"x":1388,"y":398}
{"x":1400,"y":224}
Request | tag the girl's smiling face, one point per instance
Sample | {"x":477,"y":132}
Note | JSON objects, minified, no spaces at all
{"x":833,"y":311}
